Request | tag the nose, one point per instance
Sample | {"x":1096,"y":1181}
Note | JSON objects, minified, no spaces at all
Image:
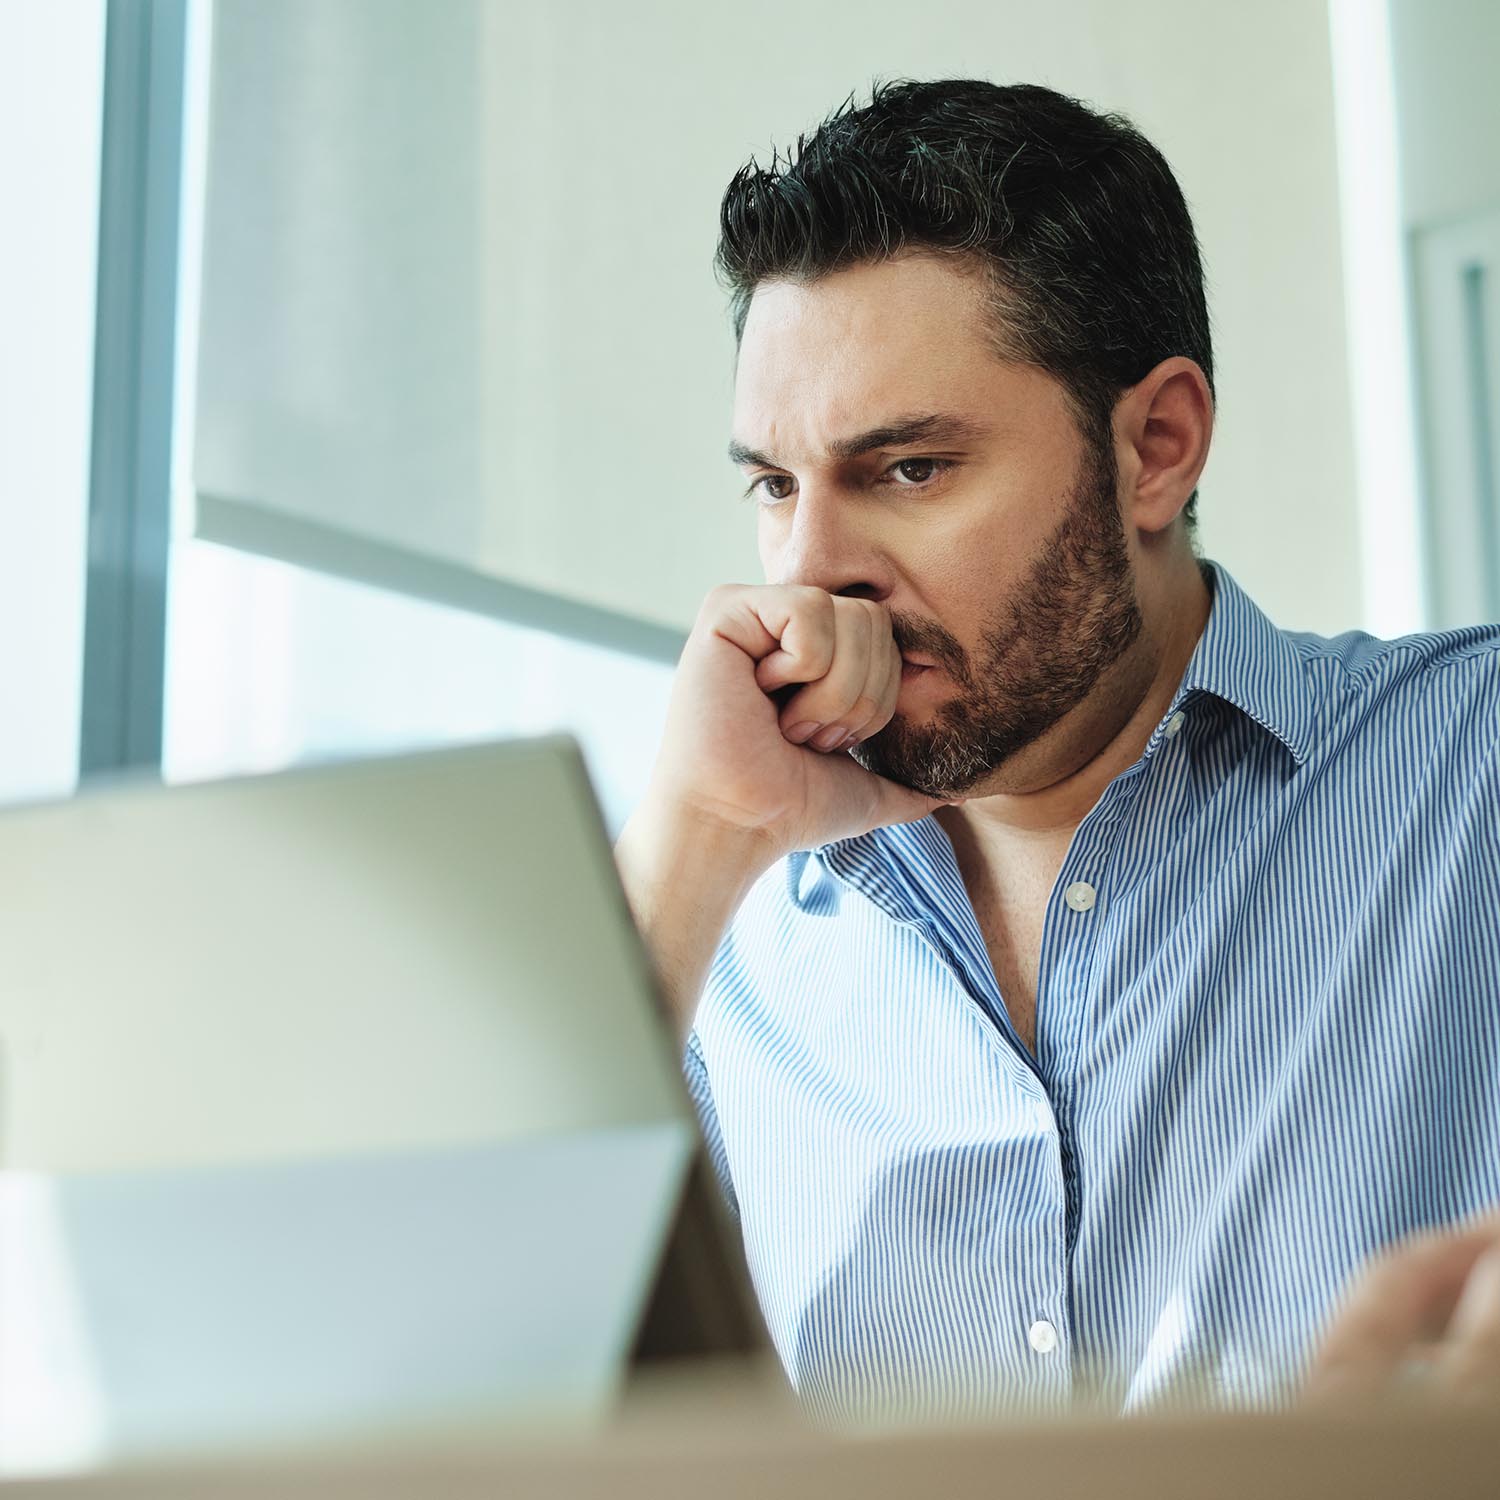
{"x":824,"y":542}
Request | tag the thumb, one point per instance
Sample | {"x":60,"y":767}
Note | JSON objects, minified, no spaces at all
{"x":894,"y":803}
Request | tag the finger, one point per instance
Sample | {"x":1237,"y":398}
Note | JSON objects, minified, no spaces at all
{"x":1399,"y":1304}
{"x":803,"y":622}
{"x":796,"y":623}
{"x":834,"y":703}
{"x":882,"y":688}
{"x":1468,"y":1360}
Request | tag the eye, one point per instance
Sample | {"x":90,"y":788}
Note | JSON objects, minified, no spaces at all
{"x":771,"y":487}
{"x":917,"y":473}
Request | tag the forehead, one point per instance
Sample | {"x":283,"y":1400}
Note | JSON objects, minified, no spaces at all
{"x":825,"y":358}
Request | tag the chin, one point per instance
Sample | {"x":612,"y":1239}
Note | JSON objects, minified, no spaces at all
{"x":917,"y":758}
{"x":943,"y":753}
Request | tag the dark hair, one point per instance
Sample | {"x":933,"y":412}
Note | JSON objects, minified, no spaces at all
{"x":1075,"y":215}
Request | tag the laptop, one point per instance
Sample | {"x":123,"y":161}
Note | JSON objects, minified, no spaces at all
{"x":335,"y":1102}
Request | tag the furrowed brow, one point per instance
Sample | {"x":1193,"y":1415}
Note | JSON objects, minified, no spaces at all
{"x":904,"y":432}
{"x":908,"y":432}
{"x":743,"y":456}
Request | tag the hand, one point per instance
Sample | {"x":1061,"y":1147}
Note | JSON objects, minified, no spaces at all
{"x":730,"y":756}
{"x":740,"y":782}
{"x":1427,"y":1311}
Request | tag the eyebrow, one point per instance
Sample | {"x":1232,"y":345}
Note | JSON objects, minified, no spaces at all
{"x":904,"y":432}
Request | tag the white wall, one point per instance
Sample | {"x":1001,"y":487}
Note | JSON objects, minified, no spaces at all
{"x":605,"y":135}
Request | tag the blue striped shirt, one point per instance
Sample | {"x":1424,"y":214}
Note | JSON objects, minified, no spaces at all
{"x":1268,"y":1048}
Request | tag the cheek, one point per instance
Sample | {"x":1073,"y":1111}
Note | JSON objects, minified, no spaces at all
{"x":770,"y":544}
{"x":995,"y":545}
{"x":958,"y":580}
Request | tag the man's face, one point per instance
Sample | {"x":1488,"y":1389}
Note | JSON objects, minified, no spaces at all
{"x":894,"y":457}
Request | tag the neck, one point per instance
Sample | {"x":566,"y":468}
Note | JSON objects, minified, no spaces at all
{"x":1055,"y":783}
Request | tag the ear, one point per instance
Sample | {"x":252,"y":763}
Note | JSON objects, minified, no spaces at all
{"x":1163,"y":425}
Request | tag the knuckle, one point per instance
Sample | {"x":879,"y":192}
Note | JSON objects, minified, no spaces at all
{"x":816,"y":626}
{"x":853,"y":622}
{"x":718,"y":599}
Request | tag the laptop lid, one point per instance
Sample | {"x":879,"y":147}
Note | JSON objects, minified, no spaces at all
{"x":356,"y":1072}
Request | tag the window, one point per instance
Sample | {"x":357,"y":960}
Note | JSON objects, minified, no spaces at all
{"x":51,"y":90}
{"x":270,"y":664}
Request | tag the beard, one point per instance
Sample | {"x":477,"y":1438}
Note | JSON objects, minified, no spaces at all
{"x":1042,"y":653}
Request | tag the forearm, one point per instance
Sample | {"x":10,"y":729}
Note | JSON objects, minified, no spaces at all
{"x":685,"y":878}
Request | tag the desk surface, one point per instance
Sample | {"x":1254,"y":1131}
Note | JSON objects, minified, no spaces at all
{"x":721,"y":1438}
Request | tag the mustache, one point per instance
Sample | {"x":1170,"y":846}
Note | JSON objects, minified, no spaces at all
{"x":915,"y":636}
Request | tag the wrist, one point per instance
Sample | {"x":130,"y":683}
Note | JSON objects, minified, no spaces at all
{"x":670,"y":841}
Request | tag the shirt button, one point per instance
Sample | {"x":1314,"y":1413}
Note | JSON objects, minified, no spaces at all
{"x":1043,"y":1336}
{"x":1080,"y":896}
{"x":1174,"y":724}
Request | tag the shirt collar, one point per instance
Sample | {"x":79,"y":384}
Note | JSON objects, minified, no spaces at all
{"x":1245,"y":660}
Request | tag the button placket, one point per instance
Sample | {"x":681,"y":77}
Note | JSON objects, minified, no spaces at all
{"x":1068,"y":946}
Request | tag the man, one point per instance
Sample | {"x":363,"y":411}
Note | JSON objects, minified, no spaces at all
{"x":1093,"y":977}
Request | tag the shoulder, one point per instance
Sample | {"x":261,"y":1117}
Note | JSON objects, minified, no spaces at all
{"x":1472,"y":650}
{"x":1445,"y":671}
{"x":1419,"y":710}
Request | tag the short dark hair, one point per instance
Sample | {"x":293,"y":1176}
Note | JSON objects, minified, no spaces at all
{"x":1076,"y":216}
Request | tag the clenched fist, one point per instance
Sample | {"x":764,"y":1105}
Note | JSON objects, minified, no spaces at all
{"x":772,"y":765}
